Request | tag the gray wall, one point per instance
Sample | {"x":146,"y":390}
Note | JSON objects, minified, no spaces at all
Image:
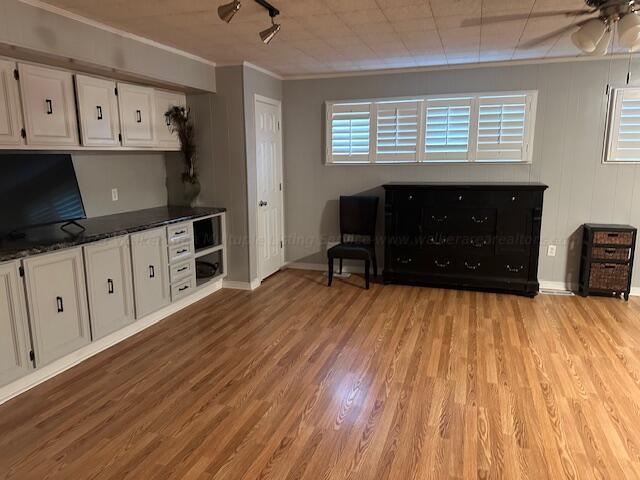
{"x":139,"y":178}
{"x":31,"y":28}
{"x":255,"y":83}
{"x":567,"y":153}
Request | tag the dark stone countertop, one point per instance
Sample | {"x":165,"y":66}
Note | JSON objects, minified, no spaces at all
{"x":51,"y":237}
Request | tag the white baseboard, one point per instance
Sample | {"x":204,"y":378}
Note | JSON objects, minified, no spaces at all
{"x":235,"y":285}
{"x":58,"y":366}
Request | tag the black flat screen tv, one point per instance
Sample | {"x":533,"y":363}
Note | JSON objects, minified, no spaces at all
{"x":38,"y":189}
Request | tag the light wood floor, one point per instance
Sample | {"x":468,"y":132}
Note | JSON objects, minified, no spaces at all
{"x":297,"y":380}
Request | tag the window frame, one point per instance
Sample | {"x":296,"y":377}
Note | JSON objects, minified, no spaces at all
{"x":613,"y":119}
{"x":421,"y":154}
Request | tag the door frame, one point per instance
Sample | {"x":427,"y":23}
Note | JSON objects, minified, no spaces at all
{"x":278,"y":104}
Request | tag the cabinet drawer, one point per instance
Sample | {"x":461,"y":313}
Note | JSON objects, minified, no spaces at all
{"x":511,"y":266}
{"x":404,"y":259}
{"x":604,"y":253}
{"x":459,"y":220}
{"x":178,"y":253}
{"x":474,"y":244}
{"x":182,"y":270}
{"x":182,"y":232}
{"x":182,"y":289}
{"x":609,"y":276}
{"x":613,"y":238}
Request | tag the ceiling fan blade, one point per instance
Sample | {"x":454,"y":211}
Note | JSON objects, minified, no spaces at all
{"x":474,"y":22}
{"x":534,"y":42}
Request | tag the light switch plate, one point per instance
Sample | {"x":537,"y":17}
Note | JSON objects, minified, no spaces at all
{"x":114,"y":194}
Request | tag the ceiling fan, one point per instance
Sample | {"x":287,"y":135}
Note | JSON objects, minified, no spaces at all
{"x":593,"y":34}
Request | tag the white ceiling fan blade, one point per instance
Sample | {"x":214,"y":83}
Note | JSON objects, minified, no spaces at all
{"x":534,"y":42}
{"x":473,"y":22}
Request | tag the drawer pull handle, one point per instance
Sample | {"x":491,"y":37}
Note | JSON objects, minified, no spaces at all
{"x":182,"y":289}
{"x":472,"y":267}
{"x":513,"y":199}
{"x":184,"y":250}
{"x":613,"y":235}
{"x":110,"y":289}
{"x":479,"y":220}
{"x":99,"y":109}
{"x":152,"y":271}
{"x":478,"y":244}
{"x":49,"y":106}
{"x":433,"y":241}
{"x":60,"y":304}
{"x":183,"y":269}
{"x":609,"y":266}
{"x":439,"y":219}
{"x":138,"y":116}
{"x":181,"y":232}
{"x":460,"y":197}
{"x":405,"y":261}
{"x":515,"y":269}
{"x":442,"y":265}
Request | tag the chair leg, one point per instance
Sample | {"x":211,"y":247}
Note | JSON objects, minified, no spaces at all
{"x":367,"y":266}
{"x":330,"y":273}
{"x":340,"y":266}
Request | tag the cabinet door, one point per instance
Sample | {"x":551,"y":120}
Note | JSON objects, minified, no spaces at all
{"x":110,"y":286}
{"x":57,"y":299}
{"x":10,"y":112}
{"x":137,"y":112}
{"x":98,"y":110}
{"x":49,"y":106}
{"x":165,"y":137}
{"x":14,"y":333}
{"x":150,"y":271}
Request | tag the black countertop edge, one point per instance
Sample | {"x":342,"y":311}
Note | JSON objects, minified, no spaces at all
{"x":50,"y":238}
{"x":468,"y":185}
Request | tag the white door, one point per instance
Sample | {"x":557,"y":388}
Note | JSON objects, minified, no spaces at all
{"x":110,"y":285}
{"x":270,"y":199}
{"x":165,"y":137}
{"x":49,"y":106}
{"x":137,"y":109}
{"x":10,"y":112}
{"x":150,"y":271}
{"x":14,"y":332}
{"x":57,"y":299}
{"x":98,"y":110}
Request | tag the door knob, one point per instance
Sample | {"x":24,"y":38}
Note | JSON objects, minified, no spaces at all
{"x":262,"y":203}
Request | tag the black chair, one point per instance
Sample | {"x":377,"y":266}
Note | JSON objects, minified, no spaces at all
{"x":358,"y":226}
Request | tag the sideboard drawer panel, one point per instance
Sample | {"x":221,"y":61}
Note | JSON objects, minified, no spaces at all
{"x":511,"y":266}
{"x":461,"y":220}
{"x":404,"y":259}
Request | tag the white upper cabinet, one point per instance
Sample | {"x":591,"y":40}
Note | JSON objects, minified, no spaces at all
{"x":137,"y":113}
{"x":165,"y":138}
{"x":98,"y":111}
{"x":49,"y":106}
{"x":10,"y":112}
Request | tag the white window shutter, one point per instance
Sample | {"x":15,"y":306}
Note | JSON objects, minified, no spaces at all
{"x":624,"y":126}
{"x":349,"y":132}
{"x":504,"y":125}
{"x":447,"y":129}
{"x":397,"y":127}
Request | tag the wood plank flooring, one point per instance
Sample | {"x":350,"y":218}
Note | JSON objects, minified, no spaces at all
{"x":296,"y":380}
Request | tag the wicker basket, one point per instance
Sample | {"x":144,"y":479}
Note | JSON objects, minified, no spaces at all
{"x":613,"y":238}
{"x":604,"y":253}
{"x":609,"y":276}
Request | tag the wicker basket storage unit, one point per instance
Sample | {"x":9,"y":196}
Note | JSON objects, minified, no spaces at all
{"x":607,"y":259}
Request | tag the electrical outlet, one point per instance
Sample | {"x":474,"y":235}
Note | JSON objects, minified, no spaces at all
{"x":114,"y":194}
{"x":551,"y":251}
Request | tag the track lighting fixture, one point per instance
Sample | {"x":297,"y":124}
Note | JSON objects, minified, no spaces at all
{"x":228,"y":10}
{"x":267,"y":35}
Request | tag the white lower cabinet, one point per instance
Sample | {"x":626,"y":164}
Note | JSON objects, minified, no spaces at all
{"x":110,"y":286}
{"x":57,"y":298}
{"x":150,"y":271}
{"x":14,"y":332}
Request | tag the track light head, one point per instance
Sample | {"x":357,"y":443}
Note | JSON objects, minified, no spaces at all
{"x":228,"y":10}
{"x":267,"y":35}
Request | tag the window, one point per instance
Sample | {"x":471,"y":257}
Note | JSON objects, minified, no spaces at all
{"x":623,"y":131}
{"x":489,"y":127}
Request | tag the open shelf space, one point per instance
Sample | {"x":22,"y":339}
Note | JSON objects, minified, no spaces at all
{"x":209,"y":267}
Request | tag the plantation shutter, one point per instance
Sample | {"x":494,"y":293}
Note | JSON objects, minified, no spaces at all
{"x":447,"y":127}
{"x":503,"y":127}
{"x":397,"y":131}
{"x":350,"y":132}
{"x":624,"y":128}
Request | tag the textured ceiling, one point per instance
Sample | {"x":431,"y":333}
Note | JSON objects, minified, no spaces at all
{"x":326,"y":36}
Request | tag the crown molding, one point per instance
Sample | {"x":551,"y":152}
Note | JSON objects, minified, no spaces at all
{"x":263,"y":70}
{"x":116,"y":31}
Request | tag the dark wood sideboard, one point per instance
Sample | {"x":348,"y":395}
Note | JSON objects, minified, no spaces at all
{"x":464,"y":235}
